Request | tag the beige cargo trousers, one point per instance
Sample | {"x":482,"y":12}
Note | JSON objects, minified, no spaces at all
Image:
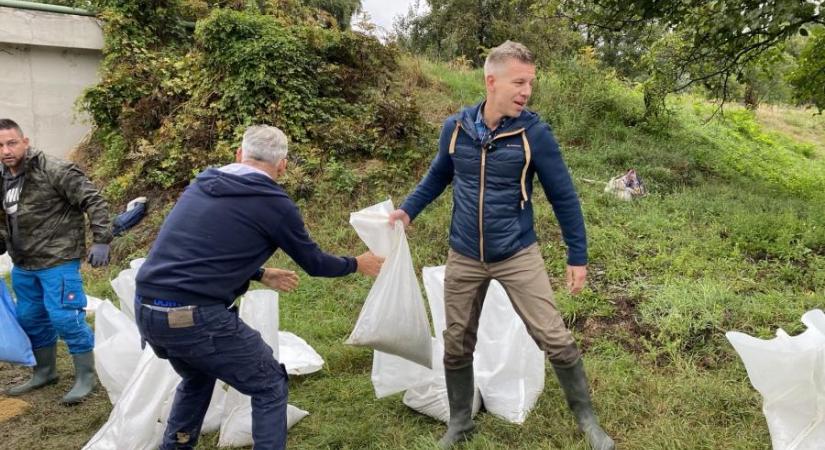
{"x":525,"y":280}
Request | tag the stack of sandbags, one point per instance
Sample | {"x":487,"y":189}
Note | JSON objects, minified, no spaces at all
{"x":141,"y":386}
{"x":508,"y":365}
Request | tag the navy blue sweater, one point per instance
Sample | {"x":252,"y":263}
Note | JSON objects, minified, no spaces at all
{"x":492,"y":210}
{"x":221,"y":230}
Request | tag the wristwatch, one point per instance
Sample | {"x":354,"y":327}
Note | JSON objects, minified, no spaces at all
{"x":259,"y":274}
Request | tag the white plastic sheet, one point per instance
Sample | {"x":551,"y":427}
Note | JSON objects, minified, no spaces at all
{"x":789,"y":372}
{"x":393,"y":319}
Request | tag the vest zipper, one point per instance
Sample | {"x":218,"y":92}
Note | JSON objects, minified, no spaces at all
{"x":481,"y":188}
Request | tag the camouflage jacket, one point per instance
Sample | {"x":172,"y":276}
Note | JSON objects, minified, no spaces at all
{"x":50,"y":213}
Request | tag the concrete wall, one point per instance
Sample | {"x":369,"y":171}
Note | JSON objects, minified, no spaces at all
{"x":47,"y":61}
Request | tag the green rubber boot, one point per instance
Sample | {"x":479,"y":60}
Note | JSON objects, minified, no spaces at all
{"x":84,"y":378}
{"x":460,"y":393}
{"x":574,"y":383}
{"x":45,"y":371}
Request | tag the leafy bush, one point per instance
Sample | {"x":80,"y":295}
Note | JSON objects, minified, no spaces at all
{"x":170,"y":104}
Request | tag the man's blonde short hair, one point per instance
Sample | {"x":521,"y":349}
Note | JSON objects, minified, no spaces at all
{"x":505,"y":52}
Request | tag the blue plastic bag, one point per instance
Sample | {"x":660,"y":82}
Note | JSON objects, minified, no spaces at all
{"x":15,"y":346}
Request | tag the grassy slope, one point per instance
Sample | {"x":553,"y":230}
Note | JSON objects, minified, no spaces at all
{"x":722,"y":242}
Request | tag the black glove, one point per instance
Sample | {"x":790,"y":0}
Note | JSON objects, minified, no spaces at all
{"x":99,"y":255}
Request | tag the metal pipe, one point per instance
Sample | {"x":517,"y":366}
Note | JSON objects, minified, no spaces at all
{"x":45,"y":7}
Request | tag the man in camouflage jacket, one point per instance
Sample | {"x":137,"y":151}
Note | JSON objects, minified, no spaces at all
{"x":43,"y":229}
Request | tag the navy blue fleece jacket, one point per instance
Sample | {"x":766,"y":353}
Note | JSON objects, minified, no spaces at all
{"x":221,"y":230}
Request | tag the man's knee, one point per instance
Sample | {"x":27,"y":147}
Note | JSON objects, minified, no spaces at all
{"x":564,"y":356}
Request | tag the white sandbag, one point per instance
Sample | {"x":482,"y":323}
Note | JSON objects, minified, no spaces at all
{"x":297,"y":356}
{"x":92,"y":303}
{"x":789,"y":372}
{"x":509,"y":366}
{"x":434,"y":287}
{"x":136,"y":263}
{"x":140,"y":413}
{"x":124,"y":286}
{"x":214,"y":414}
{"x":5,"y":264}
{"x":117,"y":349}
{"x":237,"y":436}
{"x":430,"y":397}
{"x":393,"y":374}
{"x":259,"y":310}
{"x":393,"y":319}
{"x":139,"y":417}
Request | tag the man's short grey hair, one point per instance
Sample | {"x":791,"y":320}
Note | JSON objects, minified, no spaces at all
{"x":264,"y":143}
{"x":505,"y":52}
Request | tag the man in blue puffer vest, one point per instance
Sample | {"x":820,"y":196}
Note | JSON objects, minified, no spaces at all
{"x":490,"y":153}
{"x":225,"y":225}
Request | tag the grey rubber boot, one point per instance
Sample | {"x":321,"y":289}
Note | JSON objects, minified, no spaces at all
{"x":574,"y":383}
{"x":84,"y":378}
{"x":460,"y":393}
{"x":45,"y":371}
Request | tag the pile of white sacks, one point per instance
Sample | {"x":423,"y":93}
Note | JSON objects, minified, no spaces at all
{"x":509,"y":366}
{"x":141,"y":386}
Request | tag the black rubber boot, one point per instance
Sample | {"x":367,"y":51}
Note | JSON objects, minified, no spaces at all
{"x":45,"y":371}
{"x":84,"y":378}
{"x":574,"y":383}
{"x":460,"y":393}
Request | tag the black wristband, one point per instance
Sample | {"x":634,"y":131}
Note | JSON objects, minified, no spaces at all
{"x":259,"y":274}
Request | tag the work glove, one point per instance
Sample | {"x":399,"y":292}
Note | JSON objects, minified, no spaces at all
{"x":99,"y":255}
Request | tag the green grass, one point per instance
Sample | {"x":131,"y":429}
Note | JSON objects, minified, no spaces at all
{"x":731,"y":237}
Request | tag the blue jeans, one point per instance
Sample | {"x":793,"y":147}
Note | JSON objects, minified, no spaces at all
{"x":50,"y":303}
{"x":217,"y":345}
